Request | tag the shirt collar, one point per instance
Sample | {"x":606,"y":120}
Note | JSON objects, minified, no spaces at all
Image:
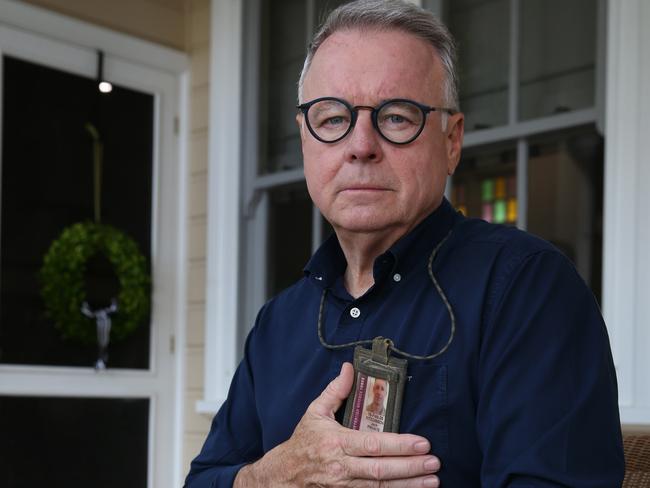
{"x":328,"y":262}
{"x":414,"y":248}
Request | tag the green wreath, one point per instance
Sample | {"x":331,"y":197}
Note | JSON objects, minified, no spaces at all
{"x":62,"y":278}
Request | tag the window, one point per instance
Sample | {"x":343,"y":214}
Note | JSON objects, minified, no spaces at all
{"x":283,"y":228}
{"x":522,"y":115}
{"x":533,"y":156}
{"x":528,"y":72}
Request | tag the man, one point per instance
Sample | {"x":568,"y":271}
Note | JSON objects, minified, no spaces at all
{"x":523,"y":392}
{"x":374,"y":416}
{"x":378,"y":406}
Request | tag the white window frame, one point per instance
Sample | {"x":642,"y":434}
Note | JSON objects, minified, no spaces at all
{"x":53,"y":40}
{"x":626,"y":269}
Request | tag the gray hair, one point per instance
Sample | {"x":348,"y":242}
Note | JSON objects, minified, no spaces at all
{"x":391,"y":15}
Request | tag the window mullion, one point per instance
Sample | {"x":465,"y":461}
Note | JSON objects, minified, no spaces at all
{"x":522,"y":183}
{"x":309,"y":21}
{"x":513,"y":74}
{"x":316,"y":229}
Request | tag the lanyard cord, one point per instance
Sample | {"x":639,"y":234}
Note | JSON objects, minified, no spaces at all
{"x":438,"y":288}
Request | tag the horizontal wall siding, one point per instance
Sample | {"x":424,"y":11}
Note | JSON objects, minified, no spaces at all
{"x":198,"y":44}
{"x":159,"y":21}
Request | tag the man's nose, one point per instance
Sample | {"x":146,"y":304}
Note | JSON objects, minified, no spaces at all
{"x":363,"y":141}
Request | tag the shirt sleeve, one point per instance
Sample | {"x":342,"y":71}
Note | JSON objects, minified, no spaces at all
{"x":547,"y":412}
{"x":235,"y":437}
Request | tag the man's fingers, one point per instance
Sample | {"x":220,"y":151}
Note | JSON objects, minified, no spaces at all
{"x":430,"y":481}
{"x":384,"y":444}
{"x":393,"y":468}
{"x":335,"y":393}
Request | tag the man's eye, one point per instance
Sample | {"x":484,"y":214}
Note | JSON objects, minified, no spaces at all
{"x":338,"y":120}
{"x":395,"y":120}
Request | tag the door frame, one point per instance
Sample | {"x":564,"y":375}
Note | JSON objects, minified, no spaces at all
{"x":39,"y":36}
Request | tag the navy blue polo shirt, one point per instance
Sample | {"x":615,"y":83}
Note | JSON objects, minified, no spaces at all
{"x":525,"y":396}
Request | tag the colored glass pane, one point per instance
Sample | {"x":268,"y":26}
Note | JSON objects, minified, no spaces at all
{"x":487,"y":190}
{"x":512,"y":186}
{"x":512,"y":210}
{"x":499,"y":211}
{"x":487,"y":212}
{"x":500,"y":187}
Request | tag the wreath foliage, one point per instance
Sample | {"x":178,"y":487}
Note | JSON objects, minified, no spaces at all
{"x":62,"y":278}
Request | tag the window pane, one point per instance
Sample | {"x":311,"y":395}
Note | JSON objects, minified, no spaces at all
{"x":565,"y":198}
{"x":481,"y":28}
{"x":283,"y":43}
{"x":73,"y":442}
{"x":283,"y":48}
{"x":485,"y":185}
{"x":289,"y":241}
{"x":322,"y":8}
{"x":558,"y":53}
{"x":47,"y":185}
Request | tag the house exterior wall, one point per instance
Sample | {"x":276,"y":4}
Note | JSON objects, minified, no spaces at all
{"x":198,"y":48}
{"x":159,"y":21}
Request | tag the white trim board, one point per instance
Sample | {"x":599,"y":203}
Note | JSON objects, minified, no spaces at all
{"x":224,"y":193}
{"x":626,"y":263}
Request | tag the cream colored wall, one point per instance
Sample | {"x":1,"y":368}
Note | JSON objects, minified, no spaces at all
{"x":198,"y":47}
{"x":159,"y":21}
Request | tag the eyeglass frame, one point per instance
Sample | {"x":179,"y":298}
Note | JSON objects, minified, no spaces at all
{"x":354,"y":111}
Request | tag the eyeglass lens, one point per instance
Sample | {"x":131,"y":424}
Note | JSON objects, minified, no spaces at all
{"x":397,"y":121}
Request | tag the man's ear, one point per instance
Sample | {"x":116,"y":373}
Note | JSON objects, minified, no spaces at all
{"x":454,"y":140}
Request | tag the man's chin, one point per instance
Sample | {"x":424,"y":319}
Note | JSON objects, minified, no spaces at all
{"x":367,"y":224}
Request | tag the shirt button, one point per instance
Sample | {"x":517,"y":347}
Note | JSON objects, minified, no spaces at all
{"x":355,"y":312}
{"x":397,"y":277}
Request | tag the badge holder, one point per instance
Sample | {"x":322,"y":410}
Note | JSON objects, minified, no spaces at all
{"x":375,"y":403}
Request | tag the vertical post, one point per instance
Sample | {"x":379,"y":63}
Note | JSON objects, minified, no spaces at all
{"x":316,"y":228}
{"x":522,"y":183}
{"x":224,"y":200}
{"x":513,"y":73}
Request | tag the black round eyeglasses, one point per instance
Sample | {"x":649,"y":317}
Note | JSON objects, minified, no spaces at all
{"x":398,"y":120}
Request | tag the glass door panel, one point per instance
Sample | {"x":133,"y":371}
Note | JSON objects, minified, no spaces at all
{"x":47,"y":185}
{"x":73,"y":442}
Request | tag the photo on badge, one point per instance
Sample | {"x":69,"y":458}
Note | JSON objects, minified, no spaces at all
{"x":374,"y":411}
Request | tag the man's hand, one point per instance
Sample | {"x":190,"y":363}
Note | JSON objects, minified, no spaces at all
{"x":323,"y":453}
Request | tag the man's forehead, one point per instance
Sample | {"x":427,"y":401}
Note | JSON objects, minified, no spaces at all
{"x":373,"y":63}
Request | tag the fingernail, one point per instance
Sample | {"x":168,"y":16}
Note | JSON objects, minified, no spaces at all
{"x":432,"y":482}
{"x":421,"y":446}
{"x":432,"y":464}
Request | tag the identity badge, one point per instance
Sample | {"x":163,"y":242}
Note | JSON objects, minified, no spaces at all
{"x":375,"y":403}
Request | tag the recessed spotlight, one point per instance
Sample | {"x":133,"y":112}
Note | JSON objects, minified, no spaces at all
{"x":105,"y":87}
